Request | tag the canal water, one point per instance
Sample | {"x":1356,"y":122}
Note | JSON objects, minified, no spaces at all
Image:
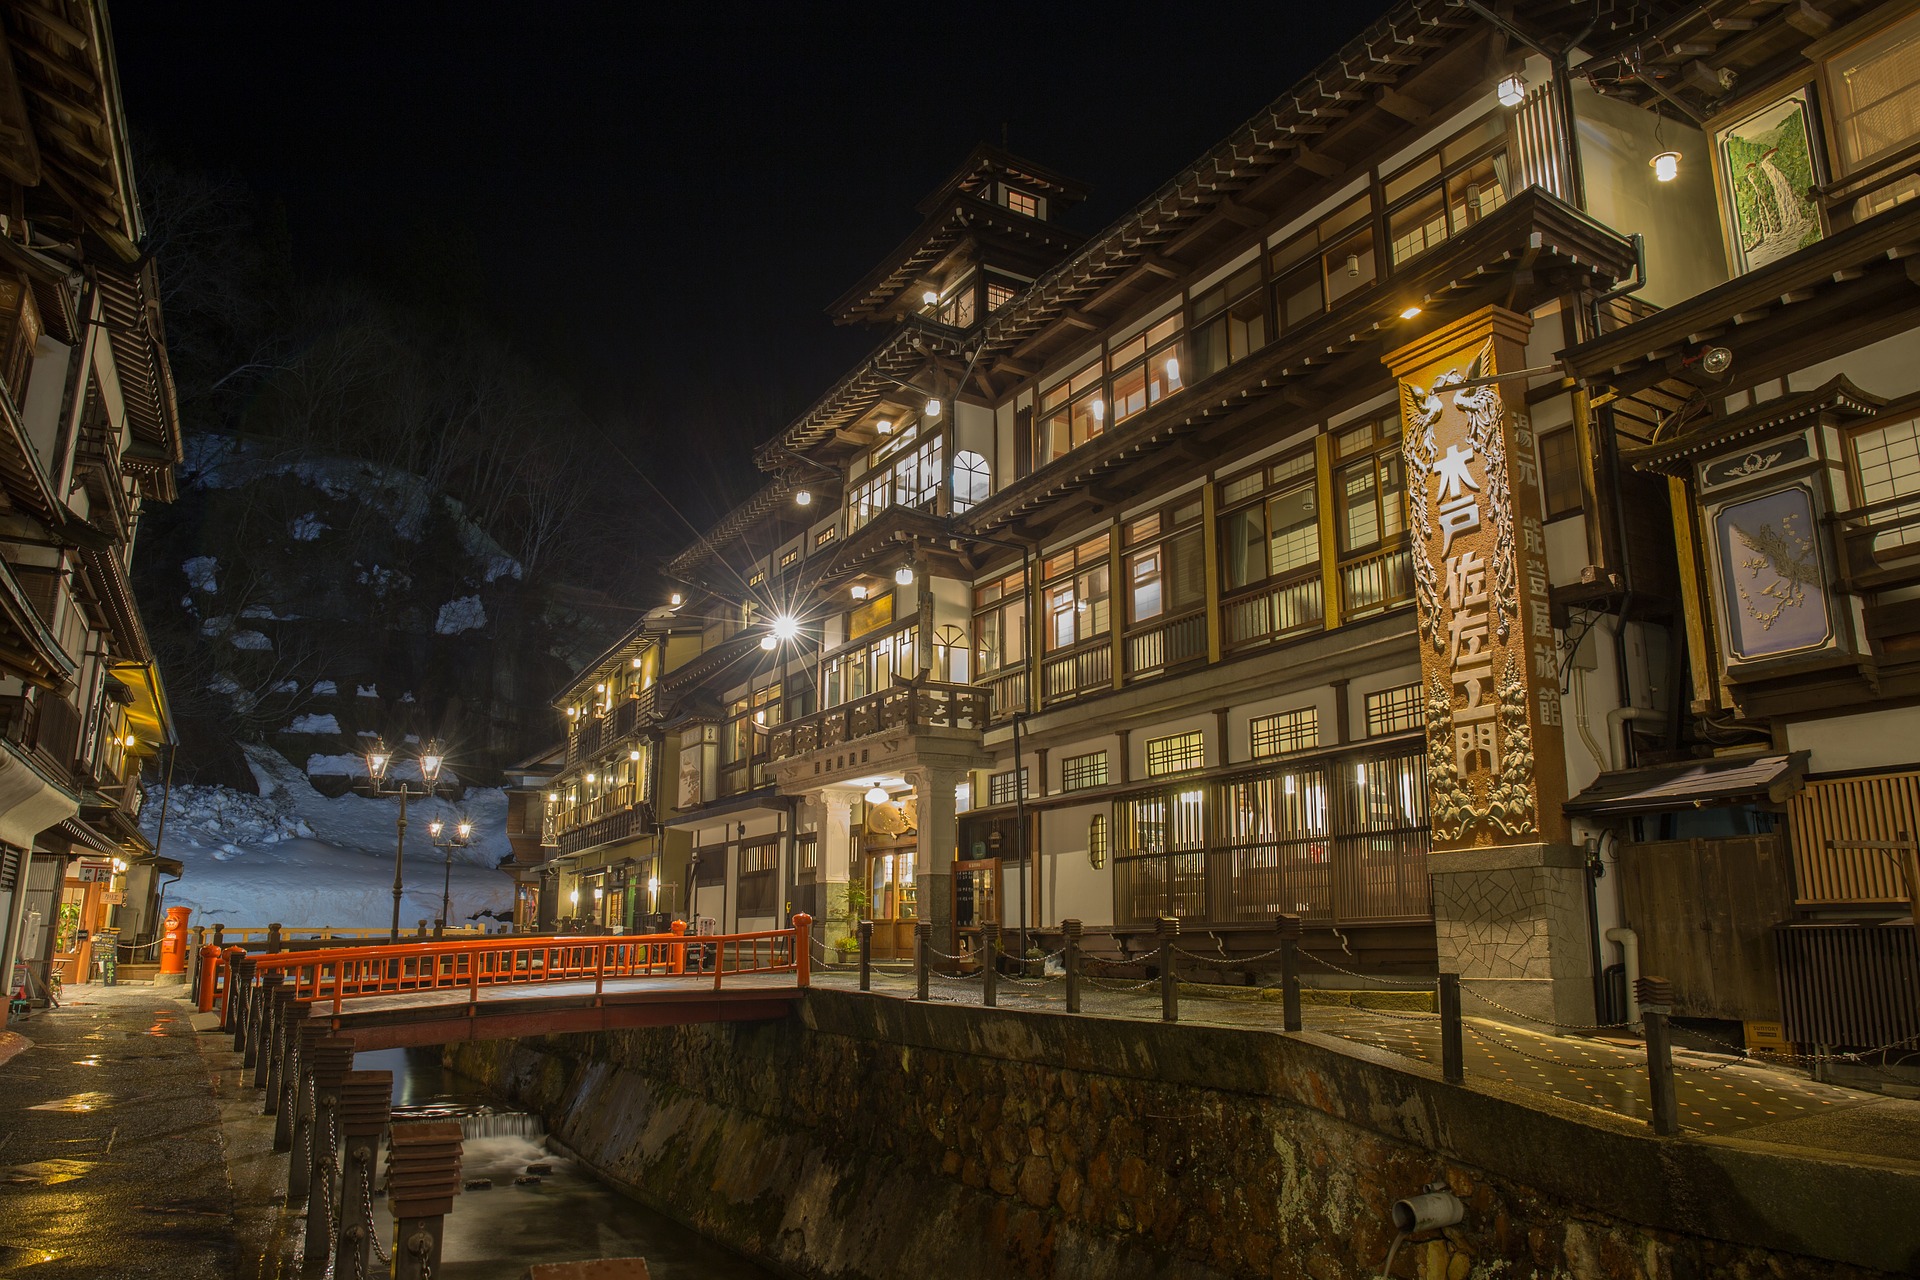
{"x":560,"y":1215}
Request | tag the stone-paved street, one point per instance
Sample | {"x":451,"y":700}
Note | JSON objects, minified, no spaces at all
{"x":111,"y":1163}
{"x":1718,"y":1094}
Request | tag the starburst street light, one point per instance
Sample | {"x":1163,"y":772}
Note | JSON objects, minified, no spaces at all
{"x":379,"y":760}
{"x":462,"y":837}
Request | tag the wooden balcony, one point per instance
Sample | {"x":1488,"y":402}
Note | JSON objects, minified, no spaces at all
{"x":1086,"y":669}
{"x":614,"y":815}
{"x":1375,"y":583}
{"x":47,"y":728}
{"x":1007,"y":691}
{"x":911,"y":707}
{"x":1272,"y":612}
{"x":97,"y":468}
{"x":1879,"y":544}
{"x":601,"y":732}
{"x":1166,"y":644}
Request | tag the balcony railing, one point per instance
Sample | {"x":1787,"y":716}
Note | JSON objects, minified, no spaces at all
{"x":48,"y":728}
{"x":1087,"y":669}
{"x":1376,"y":583}
{"x":1360,"y":879}
{"x":1248,"y":621}
{"x":98,"y":464}
{"x":1168,"y":644}
{"x":597,"y":732}
{"x":912,"y":707}
{"x":1879,"y":544}
{"x":611,"y":800}
{"x":1007,"y":691}
{"x":622,"y":824}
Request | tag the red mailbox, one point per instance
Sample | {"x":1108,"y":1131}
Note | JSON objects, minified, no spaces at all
{"x":173,"y":942}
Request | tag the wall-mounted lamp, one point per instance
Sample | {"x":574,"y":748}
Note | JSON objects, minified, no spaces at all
{"x":768,"y":643}
{"x":858,"y":591}
{"x":904,"y":575}
{"x":676,"y":599}
{"x":1353,"y":266}
{"x":933,"y":407}
{"x":884,"y":426}
{"x":633,"y":755}
{"x":803,"y":498}
{"x":930,"y":297}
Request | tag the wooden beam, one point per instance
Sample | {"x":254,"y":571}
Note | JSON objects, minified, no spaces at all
{"x":1079,"y":319}
{"x":1234,"y":211}
{"x":1161,"y":265}
{"x":1808,"y":19}
{"x":1313,"y":162}
{"x":1396,"y":103}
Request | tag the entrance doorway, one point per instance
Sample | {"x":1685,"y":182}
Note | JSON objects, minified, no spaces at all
{"x":976,"y":900}
{"x":892,"y":898}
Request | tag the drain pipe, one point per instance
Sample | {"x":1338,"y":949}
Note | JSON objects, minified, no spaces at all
{"x":1630,"y":953}
{"x":1616,"y":730}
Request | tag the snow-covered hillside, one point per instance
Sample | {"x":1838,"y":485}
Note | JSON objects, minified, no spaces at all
{"x":297,"y":857}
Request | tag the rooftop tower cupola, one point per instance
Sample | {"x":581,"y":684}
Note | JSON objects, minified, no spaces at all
{"x":988,"y":232}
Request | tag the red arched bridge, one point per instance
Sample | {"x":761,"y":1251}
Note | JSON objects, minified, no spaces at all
{"x":424,"y":993}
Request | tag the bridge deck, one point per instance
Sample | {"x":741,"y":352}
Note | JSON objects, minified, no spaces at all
{"x":414,"y":1018}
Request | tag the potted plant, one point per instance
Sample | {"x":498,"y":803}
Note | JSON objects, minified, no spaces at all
{"x":846,"y":948}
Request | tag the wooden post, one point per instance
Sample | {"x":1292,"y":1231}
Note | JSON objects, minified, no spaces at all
{"x":366,"y":1100}
{"x":1288,"y":927}
{"x":1168,"y":927}
{"x":1072,"y":929}
{"x":300,"y":1139}
{"x":332,"y":1060}
{"x":1453,"y":1061}
{"x":199,"y":935}
{"x":990,"y":964}
{"x":423,"y":1177}
{"x":922,"y":944}
{"x":865,"y":931}
{"x":242,"y":995}
{"x":803,"y":949}
{"x":269,"y":1000}
{"x":275,"y":1055}
{"x":1656,"y":1002}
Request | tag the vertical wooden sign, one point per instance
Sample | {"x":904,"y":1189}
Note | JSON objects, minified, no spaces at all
{"x":1496,"y":754}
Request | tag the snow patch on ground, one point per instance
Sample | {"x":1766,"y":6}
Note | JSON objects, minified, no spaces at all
{"x":325,"y":689}
{"x":306,"y":528}
{"x":203,"y":574}
{"x":464,"y":614}
{"x":251,"y":640}
{"x":298,"y":857}
{"x":321,"y":723}
{"x":366,"y":691}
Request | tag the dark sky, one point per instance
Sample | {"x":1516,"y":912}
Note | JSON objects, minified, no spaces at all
{"x":665,"y":198}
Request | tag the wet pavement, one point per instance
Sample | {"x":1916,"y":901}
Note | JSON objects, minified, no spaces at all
{"x":1719,"y":1094}
{"x":110,"y":1154}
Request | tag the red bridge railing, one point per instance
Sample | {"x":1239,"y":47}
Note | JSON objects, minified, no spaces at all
{"x":343,"y":974}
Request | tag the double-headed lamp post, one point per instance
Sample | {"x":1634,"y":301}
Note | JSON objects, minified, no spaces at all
{"x":462,"y":837}
{"x":378,"y":760}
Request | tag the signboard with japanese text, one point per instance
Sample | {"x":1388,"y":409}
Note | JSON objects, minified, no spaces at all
{"x":1496,"y":763}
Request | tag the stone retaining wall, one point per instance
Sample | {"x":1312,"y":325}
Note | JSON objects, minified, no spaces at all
{"x":878,"y":1139}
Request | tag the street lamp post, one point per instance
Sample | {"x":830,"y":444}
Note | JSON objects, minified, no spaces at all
{"x":378,"y":760}
{"x":460,"y":839}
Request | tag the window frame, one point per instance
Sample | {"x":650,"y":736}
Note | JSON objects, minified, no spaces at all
{"x":1442,"y":181}
{"x":1284,"y":738}
{"x":1084,"y":772}
{"x":1176,"y":753}
{"x":1383,"y":709}
{"x":1088,"y":561}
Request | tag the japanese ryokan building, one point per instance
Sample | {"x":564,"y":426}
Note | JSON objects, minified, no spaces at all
{"x":1474,"y":508}
{"x":89,"y":433}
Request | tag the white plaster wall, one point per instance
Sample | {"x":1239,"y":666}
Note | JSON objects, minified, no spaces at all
{"x":973,"y":428}
{"x":1071,"y":887}
{"x":40,"y":415}
{"x":1869,"y":740}
{"x":1566,"y":549}
{"x":1137,"y":746}
{"x":1373,"y":682}
{"x":1686,"y":253}
{"x":1240,"y":718}
{"x":1889,"y":367}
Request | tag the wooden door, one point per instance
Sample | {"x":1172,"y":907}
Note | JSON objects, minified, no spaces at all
{"x":78,"y":915}
{"x":1705,"y":911}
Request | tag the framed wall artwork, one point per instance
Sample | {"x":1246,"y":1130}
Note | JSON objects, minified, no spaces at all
{"x":1769,"y":164}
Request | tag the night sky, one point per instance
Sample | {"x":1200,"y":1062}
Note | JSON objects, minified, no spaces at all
{"x":663,"y":200}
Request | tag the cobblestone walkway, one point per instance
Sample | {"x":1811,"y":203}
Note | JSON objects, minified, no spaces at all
{"x":1719,"y":1094}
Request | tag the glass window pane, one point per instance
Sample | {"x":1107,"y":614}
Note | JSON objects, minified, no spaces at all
{"x":1410,"y":179}
{"x":1297,"y":297}
{"x":1245,"y":548}
{"x":1295,"y":542}
{"x":1476,"y":191}
{"x":1130,"y":392}
{"x":1360,"y":492}
{"x":1419,"y":226}
{"x":1145,"y":571}
{"x":1350,"y":265}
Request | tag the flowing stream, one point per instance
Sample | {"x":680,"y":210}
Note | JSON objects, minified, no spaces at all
{"x":565,"y":1215}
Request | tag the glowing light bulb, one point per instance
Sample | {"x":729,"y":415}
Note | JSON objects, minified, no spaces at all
{"x":768,"y":643}
{"x":804,"y":498}
{"x":1409,"y":313}
{"x":877,"y":795}
{"x":1511,"y":90}
{"x":884,"y":426}
{"x":1666,"y":166}
{"x":675,"y":599}
{"x":933,"y":408}
{"x":633,"y":755}
{"x":904,"y":575}
{"x":785,"y":626}
{"x":858,"y":591}
{"x":930,"y":297}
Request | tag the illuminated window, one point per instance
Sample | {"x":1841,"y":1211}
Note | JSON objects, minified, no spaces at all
{"x":1097,"y":840}
{"x":999,"y":295}
{"x":1000,"y":623}
{"x":1077,"y":773}
{"x":787,"y":560}
{"x":1176,"y":753}
{"x":972,"y":480}
{"x":1286,"y":731}
{"x":1000,"y":787}
{"x":1560,"y":473}
{"x":1315,"y":270}
{"x":826,"y":535}
{"x":1021,"y":202}
{"x":1078,"y":596}
{"x":1229,"y":321}
{"x":1448,"y":190}
{"x":1394,"y":710}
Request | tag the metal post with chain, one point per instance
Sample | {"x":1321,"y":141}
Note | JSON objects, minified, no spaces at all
{"x":423,"y":1177}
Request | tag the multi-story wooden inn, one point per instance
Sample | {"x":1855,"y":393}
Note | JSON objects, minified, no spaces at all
{"x":89,"y":433}
{"x":1468,"y":509}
